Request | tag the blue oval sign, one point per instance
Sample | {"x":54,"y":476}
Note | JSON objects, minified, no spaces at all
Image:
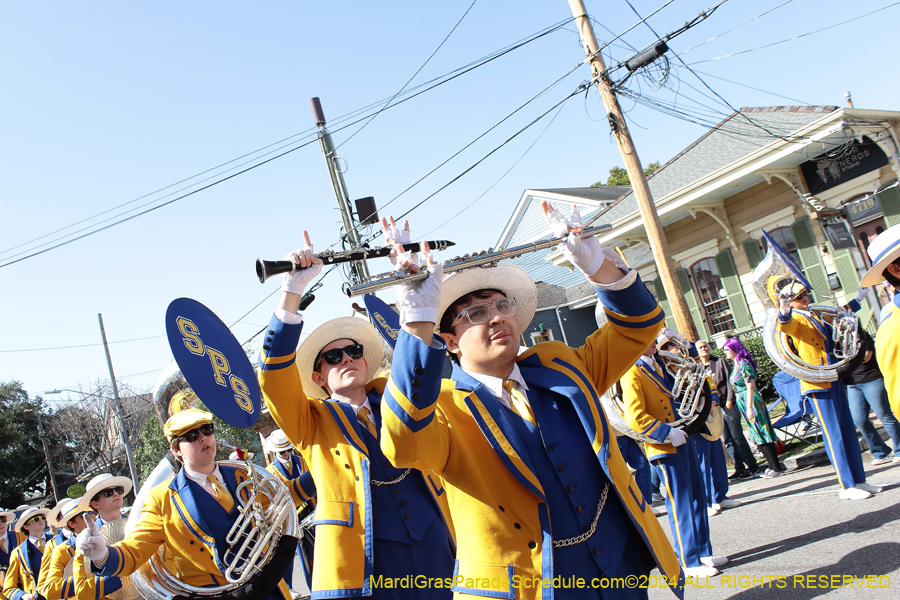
{"x":213,"y":362}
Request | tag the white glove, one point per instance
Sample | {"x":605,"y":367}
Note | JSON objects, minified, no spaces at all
{"x":395,"y":235}
{"x":784,"y":299}
{"x":91,"y":543}
{"x":419,"y":301}
{"x":677,"y":437}
{"x":29,"y":597}
{"x":584,"y":253}
{"x":296,"y":281}
{"x":862,"y":294}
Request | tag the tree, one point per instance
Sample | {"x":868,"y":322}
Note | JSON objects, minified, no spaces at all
{"x":23,"y":467}
{"x":619,"y":176}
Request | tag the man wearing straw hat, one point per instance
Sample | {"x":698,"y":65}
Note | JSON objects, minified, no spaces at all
{"x":20,"y":582}
{"x":8,"y":541}
{"x":375,"y":524}
{"x":528,"y":459}
{"x":54,"y":583}
{"x":59,"y":534}
{"x":884,"y":253}
{"x":104,"y":496}
{"x":190,"y":514}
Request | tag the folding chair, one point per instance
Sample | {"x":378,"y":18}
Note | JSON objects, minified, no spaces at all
{"x":799,"y":418}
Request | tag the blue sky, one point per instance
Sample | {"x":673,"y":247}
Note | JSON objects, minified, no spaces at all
{"x":104,"y":102}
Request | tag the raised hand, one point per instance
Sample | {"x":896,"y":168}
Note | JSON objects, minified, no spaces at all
{"x":419,"y":301}
{"x":584,"y":253}
{"x":310,"y":266}
{"x":90,"y":541}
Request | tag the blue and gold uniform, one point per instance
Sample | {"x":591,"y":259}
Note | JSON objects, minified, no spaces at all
{"x":887,"y":350}
{"x":24,"y":570}
{"x":53,"y":582}
{"x":813,"y":340}
{"x":521,"y":484}
{"x":373,"y":521}
{"x":646,"y":394}
{"x":299,"y":481}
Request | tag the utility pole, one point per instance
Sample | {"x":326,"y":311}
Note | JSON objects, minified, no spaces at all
{"x":135,"y":480}
{"x":31,"y":414}
{"x":359,"y":270}
{"x":641,"y":190}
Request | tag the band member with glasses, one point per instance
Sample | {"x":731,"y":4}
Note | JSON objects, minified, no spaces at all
{"x":9,"y":539}
{"x":20,"y":582}
{"x":104,"y":496}
{"x":647,"y":398}
{"x":529,"y":462}
{"x":54,"y":583}
{"x":190,"y":514}
{"x":812,"y":338}
{"x":373,"y":521}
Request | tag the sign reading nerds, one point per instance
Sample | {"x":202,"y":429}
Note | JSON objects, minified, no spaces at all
{"x":842,"y":164}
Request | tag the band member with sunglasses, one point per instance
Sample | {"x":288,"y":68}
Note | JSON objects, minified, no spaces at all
{"x":529,"y":462}
{"x":812,"y":338}
{"x":20,"y":582}
{"x":9,"y":539}
{"x":54,"y":582}
{"x":374,"y":522}
{"x":190,"y":514}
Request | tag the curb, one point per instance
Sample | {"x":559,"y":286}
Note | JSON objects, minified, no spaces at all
{"x":818,"y":457}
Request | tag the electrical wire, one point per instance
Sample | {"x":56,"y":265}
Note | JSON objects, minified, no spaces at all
{"x":715,"y":37}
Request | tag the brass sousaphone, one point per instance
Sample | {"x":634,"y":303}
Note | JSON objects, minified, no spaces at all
{"x":210,"y":364}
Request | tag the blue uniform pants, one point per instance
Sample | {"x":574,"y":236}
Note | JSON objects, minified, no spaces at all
{"x":686,"y":505}
{"x":713,"y":472}
{"x":636,"y":459}
{"x":841,"y":443}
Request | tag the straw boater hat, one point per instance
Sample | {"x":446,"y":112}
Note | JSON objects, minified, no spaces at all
{"x":69,"y":512}
{"x":352,"y":328}
{"x":100,"y":483}
{"x":278,"y":442}
{"x":513,"y":281}
{"x":10,"y":517}
{"x":883,"y":251}
{"x":32,"y":511}
{"x":54,"y":515}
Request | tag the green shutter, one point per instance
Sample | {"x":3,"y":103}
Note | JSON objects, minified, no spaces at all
{"x":691,"y":300}
{"x":809,"y":256}
{"x":663,"y":302}
{"x":735,"y":293}
{"x":754,"y":252}
{"x":890,"y":203}
{"x":849,"y":276}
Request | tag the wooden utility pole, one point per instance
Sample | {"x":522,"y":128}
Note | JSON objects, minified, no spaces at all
{"x":639,"y":186}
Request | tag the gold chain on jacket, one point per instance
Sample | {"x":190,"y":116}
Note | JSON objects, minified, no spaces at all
{"x":392,"y":481}
{"x":590,"y":532}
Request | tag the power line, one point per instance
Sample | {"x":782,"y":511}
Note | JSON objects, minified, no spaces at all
{"x":738,"y":27}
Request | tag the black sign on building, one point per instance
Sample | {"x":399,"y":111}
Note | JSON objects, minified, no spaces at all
{"x":842,"y":164}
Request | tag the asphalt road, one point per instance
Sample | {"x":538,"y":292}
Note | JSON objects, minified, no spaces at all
{"x":794,"y":538}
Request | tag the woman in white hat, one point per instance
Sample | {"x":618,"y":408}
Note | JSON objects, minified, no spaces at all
{"x":529,"y":462}
{"x":884,"y":252}
{"x":54,"y":583}
{"x":374,"y":522}
{"x":20,"y":582}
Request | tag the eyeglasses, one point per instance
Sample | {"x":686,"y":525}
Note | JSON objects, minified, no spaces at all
{"x":194,"y":434}
{"x":38,"y":519}
{"x":481,"y":313}
{"x":336,"y":355}
{"x":2,"y":520}
{"x":108,"y":492}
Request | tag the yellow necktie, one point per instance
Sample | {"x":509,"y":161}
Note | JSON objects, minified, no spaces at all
{"x":658,"y":368}
{"x":518,"y":402}
{"x":40,"y":544}
{"x":222,"y":493}
{"x":363,"y":415}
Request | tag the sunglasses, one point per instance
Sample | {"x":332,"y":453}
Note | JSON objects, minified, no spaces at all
{"x":108,"y":492}
{"x":194,"y":434}
{"x":336,"y":355}
{"x":2,"y":520}
{"x":36,"y":520}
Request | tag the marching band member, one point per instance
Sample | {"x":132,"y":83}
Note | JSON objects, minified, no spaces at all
{"x":104,"y":496}
{"x":8,"y":542}
{"x":190,"y":514}
{"x":20,"y":582}
{"x":54,"y":583}
{"x":647,"y":398}
{"x":59,"y":535}
{"x":884,"y":252}
{"x":523,"y":446}
{"x":812,"y":339}
{"x":373,"y":521}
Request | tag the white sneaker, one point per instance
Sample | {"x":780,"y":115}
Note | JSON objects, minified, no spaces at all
{"x":854,"y":493}
{"x":881,"y":460}
{"x":874,"y":489}
{"x":701,"y":572}
{"x":712,"y":511}
{"x":714,"y":561}
{"x":727,"y":503}
{"x":896,"y":460}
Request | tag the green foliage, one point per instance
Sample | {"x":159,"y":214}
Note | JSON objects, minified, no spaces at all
{"x":155,"y":446}
{"x":766,"y":368}
{"x":619,"y":176}
{"x":23,"y":469}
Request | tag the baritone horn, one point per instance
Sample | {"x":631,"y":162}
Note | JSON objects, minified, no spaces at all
{"x":844,"y":324}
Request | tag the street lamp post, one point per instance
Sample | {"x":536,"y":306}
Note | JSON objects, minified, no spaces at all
{"x":32,"y":415}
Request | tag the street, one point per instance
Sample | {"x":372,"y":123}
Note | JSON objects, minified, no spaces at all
{"x":794,"y":538}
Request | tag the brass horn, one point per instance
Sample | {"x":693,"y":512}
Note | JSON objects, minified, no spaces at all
{"x":845,"y":325}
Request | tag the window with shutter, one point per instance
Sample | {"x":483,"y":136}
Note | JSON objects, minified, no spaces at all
{"x":809,"y":256}
{"x":754,"y":252}
{"x":849,"y":277}
{"x":734,"y":291}
{"x":690,"y":298}
{"x":663,"y":303}
{"x":889,"y":196}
